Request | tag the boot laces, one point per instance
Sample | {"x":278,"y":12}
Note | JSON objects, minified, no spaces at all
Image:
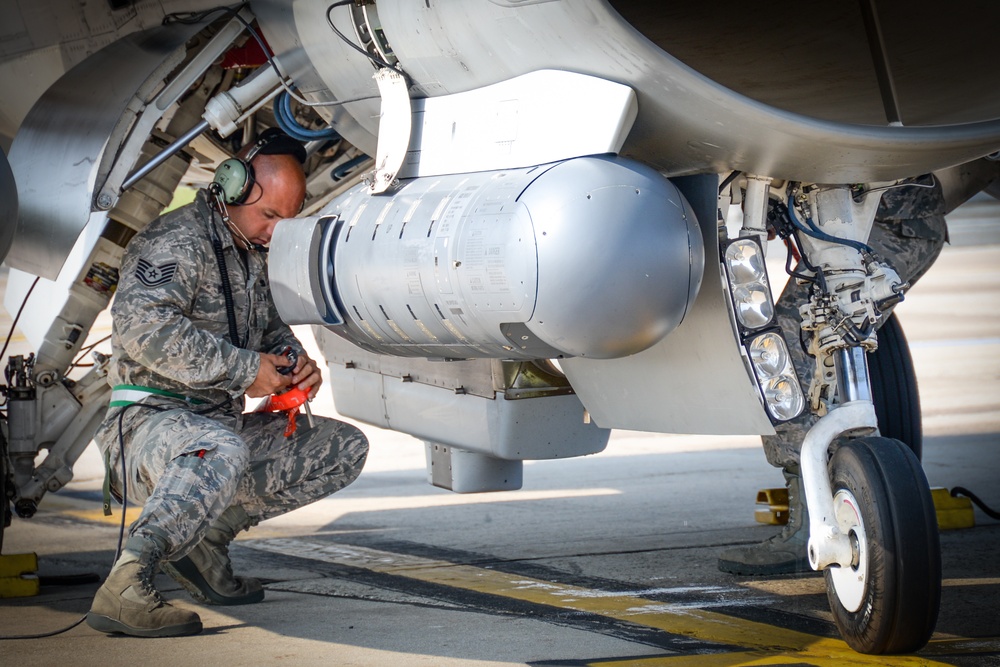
{"x":146,"y":574}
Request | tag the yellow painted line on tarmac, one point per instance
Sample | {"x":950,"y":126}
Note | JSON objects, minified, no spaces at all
{"x":770,"y":644}
{"x":70,"y":506}
{"x":817,"y":585}
{"x":750,"y":659}
{"x":131,"y":514}
{"x":985,"y":581}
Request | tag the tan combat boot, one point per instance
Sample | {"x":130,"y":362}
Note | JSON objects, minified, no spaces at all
{"x":206,"y":571}
{"x":128,"y":603}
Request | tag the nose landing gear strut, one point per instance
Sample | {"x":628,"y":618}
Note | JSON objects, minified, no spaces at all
{"x":873,"y":527}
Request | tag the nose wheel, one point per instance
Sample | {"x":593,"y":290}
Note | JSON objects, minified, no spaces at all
{"x":5,"y":515}
{"x":887,"y":600}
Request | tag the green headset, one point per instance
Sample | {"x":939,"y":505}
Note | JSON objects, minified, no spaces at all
{"x":234,"y":179}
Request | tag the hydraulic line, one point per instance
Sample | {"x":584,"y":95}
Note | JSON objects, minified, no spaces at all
{"x":286,"y":121}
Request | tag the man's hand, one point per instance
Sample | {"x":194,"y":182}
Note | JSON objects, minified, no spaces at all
{"x":269,"y":380}
{"x":306,"y":376}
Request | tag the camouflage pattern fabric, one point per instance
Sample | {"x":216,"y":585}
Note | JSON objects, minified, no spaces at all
{"x":247,"y":461}
{"x":170,"y":326}
{"x":187,"y":461}
{"x":909,"y":232}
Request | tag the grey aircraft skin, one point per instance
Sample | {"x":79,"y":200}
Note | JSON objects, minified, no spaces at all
{"x":519,"y":231}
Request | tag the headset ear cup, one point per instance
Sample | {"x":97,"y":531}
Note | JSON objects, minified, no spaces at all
{"x":234,"y":179}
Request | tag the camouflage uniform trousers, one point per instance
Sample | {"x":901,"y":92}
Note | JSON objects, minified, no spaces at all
{"x":247,"y":461}
{"x":908,"y":233}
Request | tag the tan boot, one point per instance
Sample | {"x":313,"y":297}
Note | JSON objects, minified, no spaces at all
{"x":206,"y":572}
{"x":128,"y":603}
{"x":786,"y":552}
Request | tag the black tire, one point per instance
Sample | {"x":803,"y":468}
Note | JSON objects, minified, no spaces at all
{"x":894,"y":387}
{"x":897,"y":583}
{"x":5,"y":515}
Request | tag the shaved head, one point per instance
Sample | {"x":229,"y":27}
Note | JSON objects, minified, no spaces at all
{"x":283,"y":172}
{"x":278,"y":193}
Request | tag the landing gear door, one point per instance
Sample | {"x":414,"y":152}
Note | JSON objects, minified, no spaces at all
{"x":58,"y":171}
{"x":8,"y":205}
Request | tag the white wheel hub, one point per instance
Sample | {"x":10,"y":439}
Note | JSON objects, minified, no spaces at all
{"x":850,"y":582}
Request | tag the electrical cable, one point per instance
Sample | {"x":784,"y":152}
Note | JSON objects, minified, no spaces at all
{"x":227,"y":289}
{"x":281,"y":78}
{"x":20,"y":310}
{"x":819,"y":278}
{"x":793,"y":254}
{"x":83,"y":352}
{"x":960,"y":491}
{"x":375,"y":61}
{"x":197,"y":17}
{"x":729,"y":179}
{"x":227,"y":292}
{"x":907,"y":184}
{"x":815,"y":232}
{"x":779,"y":221}
{"x":43,"y":635}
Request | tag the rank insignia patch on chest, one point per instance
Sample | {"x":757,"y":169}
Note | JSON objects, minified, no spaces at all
{"x":153,"y":275}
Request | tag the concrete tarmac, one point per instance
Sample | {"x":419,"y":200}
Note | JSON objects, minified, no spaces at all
{"x":604,"y":560}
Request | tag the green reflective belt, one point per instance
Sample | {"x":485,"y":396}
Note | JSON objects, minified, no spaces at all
{"x":127,"y":394}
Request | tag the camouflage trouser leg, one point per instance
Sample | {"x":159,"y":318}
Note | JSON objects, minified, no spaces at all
{"x":182,"y":490}
{"x":255,"y":467}
{"x":286,"y":473}
{"x":909,"y":232}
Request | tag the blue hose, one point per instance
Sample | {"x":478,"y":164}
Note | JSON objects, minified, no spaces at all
{"x":815,"y":232}
{"x":286,"y":121}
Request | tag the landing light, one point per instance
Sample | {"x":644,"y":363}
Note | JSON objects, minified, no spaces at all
{"x":753,"y":308}
{"x":745,"y":262}
{"x":769,"y":354}
{"x":753,"y":305}
{"x":783,"y":397}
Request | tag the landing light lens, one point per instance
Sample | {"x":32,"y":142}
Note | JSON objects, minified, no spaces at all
{"x":746,"y":262}
{"x":753,"y":305}
{"x":783,"y":397}
{"x":769,"y":355}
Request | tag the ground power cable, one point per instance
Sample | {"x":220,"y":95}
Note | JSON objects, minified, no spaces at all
{"x":962,"y":491}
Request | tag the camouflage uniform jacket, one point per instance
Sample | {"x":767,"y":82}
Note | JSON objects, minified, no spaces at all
{"x":170,"y":327}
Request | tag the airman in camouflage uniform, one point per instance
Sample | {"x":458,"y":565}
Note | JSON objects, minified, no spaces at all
{"x":203,"y":469}
{"x":909,"y":232}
